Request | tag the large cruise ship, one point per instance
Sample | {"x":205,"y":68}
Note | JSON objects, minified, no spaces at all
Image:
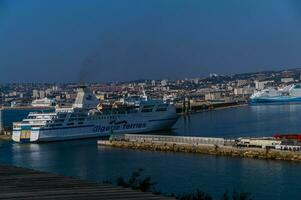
{"x":288,"y":94}
{"x":84,"y":120}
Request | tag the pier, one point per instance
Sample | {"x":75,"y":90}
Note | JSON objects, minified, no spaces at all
{"x":186,"y":107}
{"x":21,"y":183}
{"x":198,"y":145}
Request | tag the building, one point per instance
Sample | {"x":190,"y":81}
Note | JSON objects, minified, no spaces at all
{"x":35,"y":94}
{"x":242,"y":83}
{"x":42,"y":94}
{"x":153,"y":83}
{"x":260,"y":85}
{"x":258,"y":142}
{"x":164,"y":83}
{"x":213,"y":96}
{"x":243,"y":91}
{"x":287,"y":80}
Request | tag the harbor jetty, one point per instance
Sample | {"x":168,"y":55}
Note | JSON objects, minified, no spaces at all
{"x":187,"y":107}
{"x":21,"y":183}
{"x":201,"y":145}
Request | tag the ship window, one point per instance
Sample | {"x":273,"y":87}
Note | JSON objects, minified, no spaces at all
{"x":31,"y":117}
{"x":162,"y":105}
{"x":80,"y":122}
{"x":161,"y":109}
{"x":147,"y":110}
{"x":70,"y":124}
{"x":62,"y":115}
{"x":149,"y":106}
{"x":58,"y":125}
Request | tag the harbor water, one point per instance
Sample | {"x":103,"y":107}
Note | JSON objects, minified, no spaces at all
{"x":181,"y":172}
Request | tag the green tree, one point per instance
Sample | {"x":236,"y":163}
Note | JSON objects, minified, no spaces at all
{"x":136,"y":182}
{"x":197,"y":195}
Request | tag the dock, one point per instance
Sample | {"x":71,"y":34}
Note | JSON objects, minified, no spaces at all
{"x":21,"y":183}
{"x":197,"y":145}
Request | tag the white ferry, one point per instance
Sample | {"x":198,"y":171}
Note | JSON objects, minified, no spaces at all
{"x":288,"y":94}
{"x":45,"y":102}
{"x":84,"y":120}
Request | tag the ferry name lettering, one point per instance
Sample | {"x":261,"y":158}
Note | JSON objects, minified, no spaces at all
{"x":100,"y":128}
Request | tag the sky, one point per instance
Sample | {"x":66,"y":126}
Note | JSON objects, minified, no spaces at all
{"x":119,"y":40}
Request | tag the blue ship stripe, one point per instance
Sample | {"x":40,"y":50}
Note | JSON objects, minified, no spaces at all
{"x":167,"y":119}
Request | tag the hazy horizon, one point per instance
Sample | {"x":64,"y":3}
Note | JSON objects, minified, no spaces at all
{"x":116,"y":40}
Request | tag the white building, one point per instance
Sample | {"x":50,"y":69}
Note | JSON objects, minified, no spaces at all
{"x":35,"y":94}
{"x":213,"y":96}
{"x":42,"y":94}
{"x":287,"y":80}
{"x":164,"y":83}
{"x":260,"y":85}
{"x":244,"y":91}
{"x":242,"y":83}
{"x":153,"y":83}
{"x":258,"y":142}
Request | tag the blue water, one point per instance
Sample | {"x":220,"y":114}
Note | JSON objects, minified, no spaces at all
{"x":180,"y":172}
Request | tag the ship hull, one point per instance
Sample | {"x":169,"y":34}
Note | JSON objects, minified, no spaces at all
{"x":281,"y":99}
{"x":102,"y":128}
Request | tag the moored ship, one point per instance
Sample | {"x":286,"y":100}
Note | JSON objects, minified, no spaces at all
{"x":84,"y":120}
{"x":289,"y":94}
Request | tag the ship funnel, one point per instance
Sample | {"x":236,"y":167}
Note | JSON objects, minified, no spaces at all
{"x":85,"y":98}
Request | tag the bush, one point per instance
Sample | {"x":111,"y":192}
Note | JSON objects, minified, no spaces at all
{"x":137,"y":182}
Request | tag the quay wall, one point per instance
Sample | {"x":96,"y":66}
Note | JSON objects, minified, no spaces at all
{"x":210,"y":149}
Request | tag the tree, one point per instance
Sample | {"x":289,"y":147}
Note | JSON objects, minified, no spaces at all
{"x":237,"y":196}
{"x":136,"y":182}
{"x":198,"y":195}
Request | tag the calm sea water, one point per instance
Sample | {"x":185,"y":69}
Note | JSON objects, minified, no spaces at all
{"x":180,"y":172}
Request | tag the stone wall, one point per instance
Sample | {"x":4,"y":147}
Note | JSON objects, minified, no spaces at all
{"x":256,"y":153}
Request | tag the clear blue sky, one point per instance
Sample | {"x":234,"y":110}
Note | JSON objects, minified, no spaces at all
{"x":110,"y":40}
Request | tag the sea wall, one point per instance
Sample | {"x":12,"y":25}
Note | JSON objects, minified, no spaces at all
{"x":256,"y":153}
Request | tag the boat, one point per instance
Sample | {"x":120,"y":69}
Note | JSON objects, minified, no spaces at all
{"x":288,"y":94}
{"x":84,"y":119}
{"x":45,"y":102}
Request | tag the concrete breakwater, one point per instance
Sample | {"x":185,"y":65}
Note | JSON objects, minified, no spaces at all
{"x":5,"y":137}
{"x":207,"y":106}
{"x":210,"y":149}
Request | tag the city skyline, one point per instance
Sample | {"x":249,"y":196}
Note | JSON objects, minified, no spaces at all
{"x":104,"y":41}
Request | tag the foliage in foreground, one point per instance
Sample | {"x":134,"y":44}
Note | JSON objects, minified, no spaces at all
{"x":145,"y":184}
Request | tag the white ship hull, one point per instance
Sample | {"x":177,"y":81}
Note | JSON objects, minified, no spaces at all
{"x":83,"y":120}
{"x":132,"y":123}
